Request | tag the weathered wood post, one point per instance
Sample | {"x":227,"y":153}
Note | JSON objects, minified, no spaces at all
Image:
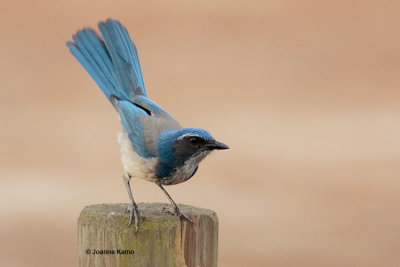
{"x":162,"y":239}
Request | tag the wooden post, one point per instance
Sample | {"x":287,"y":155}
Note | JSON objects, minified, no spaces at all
{"x":162,"y":239}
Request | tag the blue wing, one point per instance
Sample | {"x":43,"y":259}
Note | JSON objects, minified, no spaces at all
{"x":152,"y":107}
{"x":130,"y":115}
{"x":144,"y":121}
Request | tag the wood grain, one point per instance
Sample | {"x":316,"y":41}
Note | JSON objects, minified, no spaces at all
{"x":162,"y":239}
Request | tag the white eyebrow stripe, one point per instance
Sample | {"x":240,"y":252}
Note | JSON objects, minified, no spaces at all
{"x":188,"y":134}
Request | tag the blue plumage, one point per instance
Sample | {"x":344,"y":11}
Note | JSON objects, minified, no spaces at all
{"x":167,"y":150}
{"x":124,"y":56}
{"x":166,"y":142}
{"x":129,"y":114}
{"x":154,"y":146}
{"x":92,"y":54}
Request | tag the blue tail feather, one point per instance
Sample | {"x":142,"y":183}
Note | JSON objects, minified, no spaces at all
{"x":124,"y":57}
{"x":99,"y":52}
{"x":114,"y":63}
{"x":91,"y":53}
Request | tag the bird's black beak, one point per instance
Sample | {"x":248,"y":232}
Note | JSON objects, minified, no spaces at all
{"x":213,"y":144}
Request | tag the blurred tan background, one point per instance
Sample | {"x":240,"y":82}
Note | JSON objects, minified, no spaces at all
{"x":306,"y":94}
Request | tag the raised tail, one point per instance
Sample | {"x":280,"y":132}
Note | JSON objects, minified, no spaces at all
{"x":112,"y":63}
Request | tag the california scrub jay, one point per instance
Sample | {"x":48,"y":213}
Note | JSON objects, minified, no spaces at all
{"x":154,"y":146}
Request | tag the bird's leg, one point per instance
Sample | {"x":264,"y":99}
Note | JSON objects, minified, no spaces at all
{"x":177,"y":210}
{"x":132,"y":208}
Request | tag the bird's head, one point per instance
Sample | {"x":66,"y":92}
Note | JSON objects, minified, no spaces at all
{"x":176,"y":147}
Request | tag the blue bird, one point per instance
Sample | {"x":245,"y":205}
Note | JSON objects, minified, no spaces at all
{"x":154,"y":146}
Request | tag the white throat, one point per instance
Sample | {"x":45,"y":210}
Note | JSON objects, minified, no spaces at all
{"x":184,"y":172}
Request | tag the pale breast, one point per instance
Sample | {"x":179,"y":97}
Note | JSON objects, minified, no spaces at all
{"x":135,"y":165}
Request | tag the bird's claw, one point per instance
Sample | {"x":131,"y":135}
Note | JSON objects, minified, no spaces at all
{"x":132,"y":209}
{"x":182,"y":216}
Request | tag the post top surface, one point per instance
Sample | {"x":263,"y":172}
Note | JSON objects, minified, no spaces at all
{"x":147,"y":210}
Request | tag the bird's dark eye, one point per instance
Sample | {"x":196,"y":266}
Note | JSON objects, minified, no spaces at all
{"x":194,"y":140}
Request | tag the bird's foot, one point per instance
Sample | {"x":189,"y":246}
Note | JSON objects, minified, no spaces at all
{"x":133,"y":214}
{"x":181,"y":215}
